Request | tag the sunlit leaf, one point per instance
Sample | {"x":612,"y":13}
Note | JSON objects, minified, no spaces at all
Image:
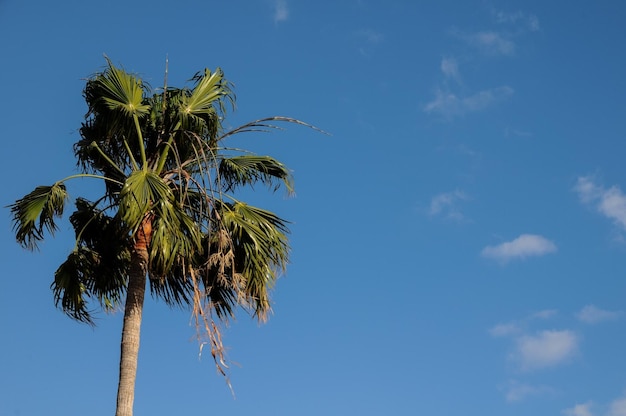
{"x":261,"y":248}
{"x":166,"y":179}
{"x":142,"y":190}
{"x":119,"y":91}
{"x":250,"y":169}
{"x":35,"y":212}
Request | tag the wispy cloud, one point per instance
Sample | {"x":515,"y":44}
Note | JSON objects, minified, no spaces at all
{"x":526,"y":245}
{"x":449,"y":105}
{"x":488,"y":42}
{"x":593,"y":315}
{"x":537,"y":350}
{"x":609,"y":202}
{"x":500,"y":43}
{"x":505,"y":330}
{"x":527,"y":20}
{"x":492,"y":43}
{"x":517,"y":391}
{"x":450,"y":69}
{"x":618,"y":407}
{"x":544,"y":314}
{"x":368,"y":38}
{"x":517,"y":327}
{"x":579,"y":410}
{"x":545,"y":349}
{"x":533,"y":23}
{"x":514,"y":328}
{"x":446,"y":205}
{"x":615,"y":408}
{"x":509,"y":132}
{"x":371,"y":36}
{"x":281,"y":11}
{"x":507,"y":17}
{"x":587,"y":190}
{"x":532,"y":351}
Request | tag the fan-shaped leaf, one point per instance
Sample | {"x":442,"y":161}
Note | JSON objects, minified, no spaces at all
{"x":261,"y":250}
{"x":143,"y":189}
{"x":249,"y":169}
{"x":117,"y":90}
{"x":36,"y":211}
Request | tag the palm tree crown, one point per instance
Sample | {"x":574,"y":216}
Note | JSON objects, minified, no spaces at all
{"x":168,"y":209}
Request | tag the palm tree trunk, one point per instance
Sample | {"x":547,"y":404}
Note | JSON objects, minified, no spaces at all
{"x":132,"y":321}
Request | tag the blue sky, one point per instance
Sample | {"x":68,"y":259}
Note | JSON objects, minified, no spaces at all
{"x":459,"y":242}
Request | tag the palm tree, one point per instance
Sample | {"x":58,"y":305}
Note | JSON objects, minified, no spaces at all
{"x":168,"y":212}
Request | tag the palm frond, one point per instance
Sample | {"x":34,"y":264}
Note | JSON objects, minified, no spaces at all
{"x":116,"y":104}
{"x":197,"y":115}
{"x":142,"y":189}
{"x":118,"y":91}
{"x":175,"y":289}
{"x":223,"y":288}
{"x":166,"y":178}
{"x":84,"y":275}
{"x":249,"y":169}
{"x":209,"y":90}
{"x":265,"y":125}
{"x":69,"y":289}
{"x":222,"y":298}
{"x":36,"y":211}
{"x":175,"y":236}
{"x":109,"y":246}
{"x":260,"y":244}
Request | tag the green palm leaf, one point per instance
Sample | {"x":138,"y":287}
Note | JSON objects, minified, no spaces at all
{"x":69,"y":289}
{"x":176,"y":237}
{"x":249,"y":169}
{"x":209,"y":89}
{"x":265,"y":125}
{"x":118,"y":91}
{"x":163,"y":213}
{"x":116,"y":99}
{"x":141,"y":191}
{"x":197,"y":116}
{"x":261,"y":248}
{"x":108,"y":245}
{"x":36,"y":211}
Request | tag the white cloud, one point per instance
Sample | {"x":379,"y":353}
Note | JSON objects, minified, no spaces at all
{"x":613,"y":205}
{"x":517,"y":327}
{"x":529,"y":21}
{"x":450,"y":105}
{"x":517,"y":391}
{"x":526,"y":245}
{"x":545,"y":349}
{"x":544,"y":314}
{"x":618,"y":407}
{"x":281,"y":11}
{"x":579,"y":410}
{"x":609,"y":202}
{"x":450,"y":68}
{"x":535,"y":351}
{"x":504,"y":17}
{"x":587,"y":190}
{"x":533,"y":23}
{"x":491,"y":43}
{"x":504,"y":330}
{"x":446,"y":204}
{"x":592,"y":315}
